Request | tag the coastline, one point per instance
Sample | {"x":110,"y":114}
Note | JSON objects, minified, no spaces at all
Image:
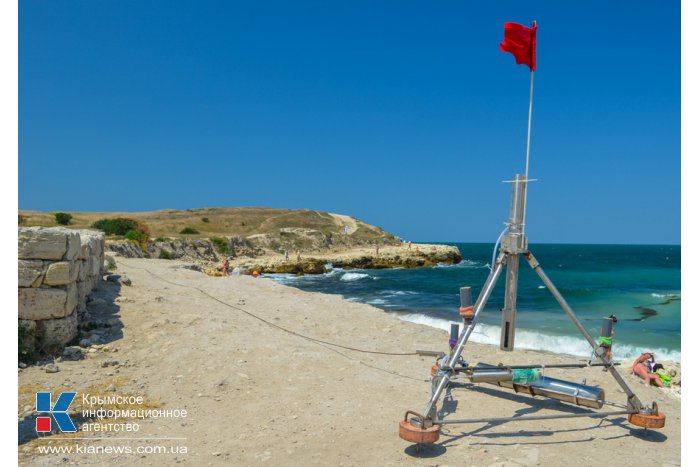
{"x":368,"y":257}
{"x":277,"y":398}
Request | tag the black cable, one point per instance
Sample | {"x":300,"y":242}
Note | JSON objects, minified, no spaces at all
{"x":313,"y":339}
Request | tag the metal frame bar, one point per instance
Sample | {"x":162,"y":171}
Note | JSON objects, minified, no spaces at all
{"x":466,"y":332}
{"x":534,"y":417}
{"x":526,"y":367}
{"x":631,"y":396}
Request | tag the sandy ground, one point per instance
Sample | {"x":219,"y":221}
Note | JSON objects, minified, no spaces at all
{"x":257,"y":395}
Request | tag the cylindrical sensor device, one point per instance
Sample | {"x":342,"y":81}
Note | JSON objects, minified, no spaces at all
{"x":566,"y":391}
{"x":466,"y":307}
{"x":454,"y":334}
{"x":465,"y":297}
{"x":490,"y":376}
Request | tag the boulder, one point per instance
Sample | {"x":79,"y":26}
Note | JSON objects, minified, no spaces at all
{"x":40,"y":304}
{"x":30,"y":272}
{"x":42,"y":243}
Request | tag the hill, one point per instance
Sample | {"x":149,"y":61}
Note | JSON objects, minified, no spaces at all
{"x":241,"y":222}
{"x":258,"y":239}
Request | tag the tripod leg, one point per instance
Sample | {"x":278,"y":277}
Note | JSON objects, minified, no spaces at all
{"x":598,"y":351}
{"x":466,"y":332}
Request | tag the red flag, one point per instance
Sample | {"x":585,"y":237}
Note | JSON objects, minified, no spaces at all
{"x":521,"y":42}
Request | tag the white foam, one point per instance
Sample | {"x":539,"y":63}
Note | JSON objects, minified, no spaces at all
{"x":376,"y":301}
{"x":535,"y":340}
{"x":393,"y":293}
{"x":283,"y":278}
{"x":353,"y":276}
{"x":465,"y":263}
{"x":666,"y":295}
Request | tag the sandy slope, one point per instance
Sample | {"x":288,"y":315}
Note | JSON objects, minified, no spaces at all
{"x":256,"y":395}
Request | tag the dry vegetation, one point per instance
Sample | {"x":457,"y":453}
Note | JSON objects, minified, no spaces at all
{"x":210,"y":222}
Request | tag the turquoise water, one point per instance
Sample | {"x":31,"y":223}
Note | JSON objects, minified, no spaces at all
{"x":640,"y":284}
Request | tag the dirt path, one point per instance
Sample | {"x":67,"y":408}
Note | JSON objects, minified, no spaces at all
{"x":343,"y":220}
{"x":257,"y":395}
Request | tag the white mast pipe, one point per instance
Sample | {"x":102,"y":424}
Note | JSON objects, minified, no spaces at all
{"x":527,"y":157}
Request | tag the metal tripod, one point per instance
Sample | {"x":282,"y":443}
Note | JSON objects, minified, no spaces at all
{"x":513,"y":245}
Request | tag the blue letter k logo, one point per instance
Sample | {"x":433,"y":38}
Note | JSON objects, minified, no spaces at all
{"x":43,"y":404}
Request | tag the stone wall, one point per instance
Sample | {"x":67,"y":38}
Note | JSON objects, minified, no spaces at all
{"x":58,"y":267}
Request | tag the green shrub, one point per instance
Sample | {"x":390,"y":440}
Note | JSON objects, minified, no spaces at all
{"x":189,"y":231}
{"x":111,"y":263}
{"x":161,"y":239}
{"x":205,"y":220}
{"x":221,"y":245}
{"x":131,"y":229}
{"x":116,"y":226}
{"x":165,"y":254}
{"x":21,"y":219}
{"x":139,"y":237}
{"x":62,"y":218}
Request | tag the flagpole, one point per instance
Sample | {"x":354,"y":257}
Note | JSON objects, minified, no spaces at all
{"x":527,"y":157}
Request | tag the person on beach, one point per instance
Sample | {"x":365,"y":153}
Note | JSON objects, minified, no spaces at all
{"x":643,"y":367}
{"x":286,"y":255}
{"x":225,"y":267}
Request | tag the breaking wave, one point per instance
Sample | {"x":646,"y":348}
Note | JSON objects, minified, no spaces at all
{"x":534,"y":340}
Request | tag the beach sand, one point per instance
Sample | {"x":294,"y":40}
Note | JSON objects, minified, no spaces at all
{"x":258,"y":395}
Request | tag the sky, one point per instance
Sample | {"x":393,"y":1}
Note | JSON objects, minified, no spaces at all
{"x":404,"y":114}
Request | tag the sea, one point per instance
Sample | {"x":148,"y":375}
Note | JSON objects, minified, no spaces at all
{"x":639,"y":284}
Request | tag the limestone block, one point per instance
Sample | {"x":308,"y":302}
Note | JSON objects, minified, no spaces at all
{"x":74,"y":270}
{"x":72,"y":298}
{"x":30,"y":272}
{"x":42,"y":242}
{"x":82,"y":270}
{"x":38,"y":304}
{"x":73,"y":245}
{"x":84,"y":250}
{"x":55,"y":333}
{"x":89,"y":284}
{"x":83,"y":288}
{"x":94,"y":266}
{"x":92,"y":243}
{"x":58,"y":273}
